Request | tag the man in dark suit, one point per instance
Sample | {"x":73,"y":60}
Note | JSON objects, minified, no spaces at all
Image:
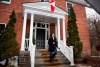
{"x":52,"y":47}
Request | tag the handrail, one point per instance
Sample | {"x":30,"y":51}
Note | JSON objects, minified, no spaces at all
{"x":29,"y":46}
{"x":67,"y":51}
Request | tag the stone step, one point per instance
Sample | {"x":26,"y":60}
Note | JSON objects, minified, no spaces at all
{"x":42,"y":59}
{"x":47,"y":56}
{"x":47,"y":53}
{"x":48,"y":64}
{"x":55,"y":59}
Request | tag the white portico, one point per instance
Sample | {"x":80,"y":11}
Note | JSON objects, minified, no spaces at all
{"x":34,"y":11}
{"x":42,"y":9}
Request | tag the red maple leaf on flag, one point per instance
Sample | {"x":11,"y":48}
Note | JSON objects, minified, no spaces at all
{"x":52,"y":3}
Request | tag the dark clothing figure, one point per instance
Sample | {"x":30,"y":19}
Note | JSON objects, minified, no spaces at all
{"x":52,"y":47}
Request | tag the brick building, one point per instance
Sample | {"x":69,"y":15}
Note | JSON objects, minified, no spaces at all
{"x":35,"y":18}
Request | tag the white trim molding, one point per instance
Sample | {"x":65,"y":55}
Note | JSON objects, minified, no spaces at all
{"x":6,"y":2}
{"x":4,"y":24}
{"x":43,"y":8}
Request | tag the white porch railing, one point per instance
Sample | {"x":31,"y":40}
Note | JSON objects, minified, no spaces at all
{"x":67,"y":51}
{"x":30,"y":47}
{"x":26,"y":44}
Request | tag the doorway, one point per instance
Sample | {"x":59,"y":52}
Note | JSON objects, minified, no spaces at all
{"x":40,"y":39}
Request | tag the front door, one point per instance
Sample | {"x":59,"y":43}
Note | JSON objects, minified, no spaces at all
{"x":40,"y":39}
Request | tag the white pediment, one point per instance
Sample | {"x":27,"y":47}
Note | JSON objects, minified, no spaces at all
{"x":44,"y":6}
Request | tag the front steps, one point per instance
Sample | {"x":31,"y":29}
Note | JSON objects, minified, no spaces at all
{"x":42,"y":60}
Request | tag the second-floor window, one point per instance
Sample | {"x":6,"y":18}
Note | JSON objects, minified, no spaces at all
{"x":6,"y":1}
{"x":69,"y":5}
{"x":44,"y":0}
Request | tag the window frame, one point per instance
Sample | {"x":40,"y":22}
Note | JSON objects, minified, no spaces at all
{"x":6,"y":2}
{"x":44,"y":1}
{"x":67,"y":6}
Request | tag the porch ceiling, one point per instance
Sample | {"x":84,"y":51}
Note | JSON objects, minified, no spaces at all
{"x":42,"y":18}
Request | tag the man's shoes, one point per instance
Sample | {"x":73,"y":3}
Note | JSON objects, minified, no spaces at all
{"x":50,"y":61}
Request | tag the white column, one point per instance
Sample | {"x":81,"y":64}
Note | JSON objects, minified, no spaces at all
{"x":31,"y":31}
{"x":64,"y":31}
{"x":24,"y":32}
{"x":58,"y":30}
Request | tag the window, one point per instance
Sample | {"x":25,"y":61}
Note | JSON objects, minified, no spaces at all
{"x":38,"y":24}
{"x":43,"y":25}
{"x":69,"y":5}
{"x":44,"y":0}
{"x":6,"y":1}
{"x":2,"y":27}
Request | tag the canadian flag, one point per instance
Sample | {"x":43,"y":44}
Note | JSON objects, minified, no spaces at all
{"x":52,"y":3}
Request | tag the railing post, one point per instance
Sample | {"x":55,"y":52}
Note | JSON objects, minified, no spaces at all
{"x":71,"y":55}
{"x":32,"y":55}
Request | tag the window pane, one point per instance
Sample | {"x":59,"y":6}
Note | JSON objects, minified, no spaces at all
{"x":5,"y":0}
{"x":47,"y":35}
{"x":38,"y":24}
{"x":2,"y":27}
{"x":43,"y":25}
{"x":42,"y":0}
{"x":69,"y":5}
{"x":47,"y":25}
{"x":34,"y":24}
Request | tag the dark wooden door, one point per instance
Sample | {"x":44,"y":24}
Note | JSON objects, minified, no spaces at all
{"x":40,"y":39}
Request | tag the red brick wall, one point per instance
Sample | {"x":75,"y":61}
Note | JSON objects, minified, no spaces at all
{"x":52,"y":28}
{"x":5,"y":11}
{"x":61,"y":4}
{"x":82,"y":26}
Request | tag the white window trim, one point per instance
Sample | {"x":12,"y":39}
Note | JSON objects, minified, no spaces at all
{"x":70,"y":3}
{"x":67,"y":5}
{"x":4,"y":24}
{"x":44,"y":0}
{"x":6,"y":2}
